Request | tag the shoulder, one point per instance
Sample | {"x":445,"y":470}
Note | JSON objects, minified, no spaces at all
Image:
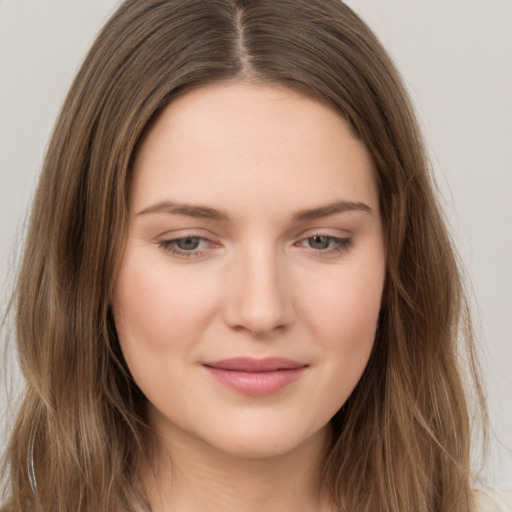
{"x":493,"y":500}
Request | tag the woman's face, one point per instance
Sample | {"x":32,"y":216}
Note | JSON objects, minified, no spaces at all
{"x":248,"y":295}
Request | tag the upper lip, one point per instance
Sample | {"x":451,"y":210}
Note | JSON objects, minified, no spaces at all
{"x":253,"y":364}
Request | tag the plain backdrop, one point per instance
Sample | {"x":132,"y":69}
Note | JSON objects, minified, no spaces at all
{"x":456,"y":59}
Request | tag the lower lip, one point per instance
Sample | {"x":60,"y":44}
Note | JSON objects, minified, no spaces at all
{"x":256,"y":383}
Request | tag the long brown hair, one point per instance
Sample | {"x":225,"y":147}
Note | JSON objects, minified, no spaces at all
{"x":401,"y":442}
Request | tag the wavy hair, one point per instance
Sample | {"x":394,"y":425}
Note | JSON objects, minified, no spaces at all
{"x":402,"y":440}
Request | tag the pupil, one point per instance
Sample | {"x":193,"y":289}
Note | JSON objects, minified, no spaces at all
{"x":188,"y":244}
{"x":319,"y":242}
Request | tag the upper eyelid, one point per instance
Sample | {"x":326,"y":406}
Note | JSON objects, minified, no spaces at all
{"x":328,"y":232}
{"x":338,"y":239}
{"x":169,"y":240}
{"x":185,"y":233}
{"x":199,"y":233}
{"x":300,"y":239}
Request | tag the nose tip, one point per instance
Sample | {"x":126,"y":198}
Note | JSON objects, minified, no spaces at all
{"x":261,"y":302}
{"x":259,"y":321}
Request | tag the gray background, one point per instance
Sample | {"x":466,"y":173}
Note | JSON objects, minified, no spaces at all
{"x":456,"y":58}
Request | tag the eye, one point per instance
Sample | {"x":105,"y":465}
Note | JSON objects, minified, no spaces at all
{"x":320,"y":242}
{"x":190,"y":243}
{"x":187,"y":246}
{"x":325,"y":244}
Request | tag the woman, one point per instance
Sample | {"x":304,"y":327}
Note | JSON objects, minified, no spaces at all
{"x":237,"y":291}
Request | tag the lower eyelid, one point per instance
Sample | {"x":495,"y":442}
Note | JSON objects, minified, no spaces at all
{"x":339,"y":241}
{"x":339,"y":245}
{"x":171,"y":243}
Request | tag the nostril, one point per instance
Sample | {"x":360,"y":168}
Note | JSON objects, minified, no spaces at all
{"x":259,"y":317}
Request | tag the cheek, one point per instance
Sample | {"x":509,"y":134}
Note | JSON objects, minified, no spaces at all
{"x":160,"y":315}
{"x":157,"y":309}
{"x":347,"y":306}
{"x":343,"y":316}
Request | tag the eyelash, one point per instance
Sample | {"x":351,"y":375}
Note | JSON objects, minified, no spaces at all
{"x":341,"y":245}
{"x":171,"y":247}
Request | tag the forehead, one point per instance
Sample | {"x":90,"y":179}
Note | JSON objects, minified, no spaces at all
{"x":230,"y":141}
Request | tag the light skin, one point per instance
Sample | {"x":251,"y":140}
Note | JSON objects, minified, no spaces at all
{"x":255,"y":232}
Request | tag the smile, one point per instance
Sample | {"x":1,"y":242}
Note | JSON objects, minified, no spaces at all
{"x":257,"y":377}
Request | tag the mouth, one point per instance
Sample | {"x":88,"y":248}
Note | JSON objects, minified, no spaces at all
{"x":256,"y":377}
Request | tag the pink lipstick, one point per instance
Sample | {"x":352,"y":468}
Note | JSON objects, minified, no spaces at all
{"x":253,"y":376}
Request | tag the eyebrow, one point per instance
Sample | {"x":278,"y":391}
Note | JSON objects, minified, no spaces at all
{"x":190,"y":210}
{"x":331,"y":209}
{"x":205,"y":212}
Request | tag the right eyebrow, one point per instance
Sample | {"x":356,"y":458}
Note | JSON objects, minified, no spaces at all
{"x":189,"y":210}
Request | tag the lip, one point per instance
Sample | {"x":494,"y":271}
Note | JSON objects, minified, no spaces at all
{"x":253,"y":376}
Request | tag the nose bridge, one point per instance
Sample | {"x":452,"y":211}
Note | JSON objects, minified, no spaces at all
{"x":260,"y":301}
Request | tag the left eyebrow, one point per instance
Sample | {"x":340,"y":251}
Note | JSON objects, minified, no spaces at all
{"x":331,"y":209}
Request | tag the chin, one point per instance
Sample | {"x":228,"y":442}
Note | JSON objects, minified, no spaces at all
{"x":259,"y":443}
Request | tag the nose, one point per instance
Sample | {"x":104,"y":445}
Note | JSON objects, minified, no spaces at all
{"x":260,"y":295}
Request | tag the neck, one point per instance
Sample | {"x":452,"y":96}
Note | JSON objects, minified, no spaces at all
{"x":189,"y":475}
